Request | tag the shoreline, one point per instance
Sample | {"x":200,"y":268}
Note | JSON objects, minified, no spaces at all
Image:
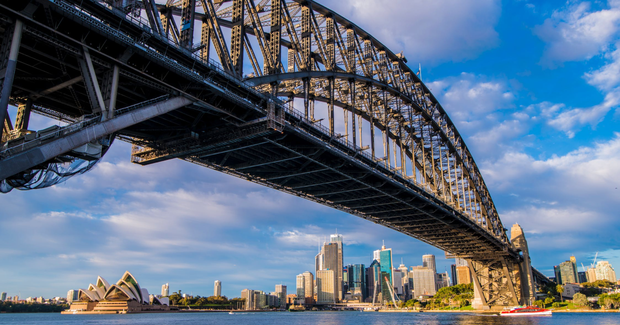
{"x":498,"y":311}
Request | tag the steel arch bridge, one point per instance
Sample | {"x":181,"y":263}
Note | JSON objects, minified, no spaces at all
{"x":245,"y":87}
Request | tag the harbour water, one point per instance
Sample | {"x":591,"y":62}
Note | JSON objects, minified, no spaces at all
{"x":309,"y":318}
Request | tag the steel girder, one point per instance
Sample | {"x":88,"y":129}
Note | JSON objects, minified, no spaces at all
{"x":337,"y":62}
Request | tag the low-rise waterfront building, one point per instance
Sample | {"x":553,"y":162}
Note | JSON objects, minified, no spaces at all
{"x":570,"y":289}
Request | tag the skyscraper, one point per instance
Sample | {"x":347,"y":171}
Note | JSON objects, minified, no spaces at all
{"x":281,"y":293}
{"x":248,"y":295}
{"x":398,"y":282}
{"x":590,"y":275}
{"x":217,"y":289}
{"x":443,"y":280}
{"x":424,"y":282}
{"x":330,"y":252}
{"x":319,"y":261}
{"x":309,"y":287}
{"x":337,"y":239}
{"x":165,"y":290}
{"x":604,"y":271}
{"x":567,"y":271}
{"x":301,"y":286}
{"x":582,"y":277}
{"x":72,"y":295}
{"x":460,"y":261}
{"x":345,"y":280}
{"x":387,"y":279}
{"x":453,"y":273}
{"x":357,"y":280}
{"x":463,"y":275}
{"x":428,"y":261}
{"x":3,"y":296}
{"x":376,"y":255}
{"x":405,"y":281}
{"x":373,"y":281}
{"x":326,"y":290}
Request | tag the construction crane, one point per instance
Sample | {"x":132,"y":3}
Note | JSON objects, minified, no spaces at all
{"x":593,"y":265}
{"x":391,"y":292}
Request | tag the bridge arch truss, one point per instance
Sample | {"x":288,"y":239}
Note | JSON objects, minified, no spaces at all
{"x":285,"y":93}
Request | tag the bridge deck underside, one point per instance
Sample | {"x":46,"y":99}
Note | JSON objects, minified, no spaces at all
{"x":225,"y":129}
{"x":300,"y":163}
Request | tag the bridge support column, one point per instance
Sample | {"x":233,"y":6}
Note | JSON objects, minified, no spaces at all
{"x":528,"y":287}
{"x":496,"y":283}
{"x":9,"y":74}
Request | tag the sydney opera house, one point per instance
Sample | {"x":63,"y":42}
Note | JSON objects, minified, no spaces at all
{"x":125,"y":296}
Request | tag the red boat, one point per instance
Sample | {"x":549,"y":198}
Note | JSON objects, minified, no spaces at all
{"x":526,"y":311}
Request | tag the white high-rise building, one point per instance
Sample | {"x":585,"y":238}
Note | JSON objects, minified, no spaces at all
{"x":376,"y":255}
{"x":217,"y":288}
{"x":325,"y":289}
{"x":604,"y":271}
{"x":72,"y":295}
{"x":319,"y":261}
{"x":424,"y":283}
{"x":301,"y":286}
{"x":165,"y":290}
{"x":428,"y":261}
{"x":3,"y":296}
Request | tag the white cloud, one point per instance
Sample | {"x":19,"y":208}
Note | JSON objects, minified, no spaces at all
{"x":468,"y":98}
{"x":577,"y":33}
{"x":432,"y":31}
{"x":308,"y":236}
{"x":570,"y":120}
{"x":595,"y":169}
{"x":607,"y":77}
{"x":500,"y":135}
{"x":565,"y":202}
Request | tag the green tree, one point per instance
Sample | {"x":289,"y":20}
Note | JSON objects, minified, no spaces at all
{"x":555,"y":305}
{"x":598,"y":284}
{"x":539,"y":303}
{"x":549,"y":300}
{"x":609,"y":301}
{"x":560,"y":289}
{"x":175,"y":298}
{"x":580,"y":299}
{"x":460,"y":293}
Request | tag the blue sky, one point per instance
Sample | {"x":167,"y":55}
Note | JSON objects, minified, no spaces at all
{"x":533,"y":87}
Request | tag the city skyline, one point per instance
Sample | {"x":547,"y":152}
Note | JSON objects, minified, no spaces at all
{"x":424,"y":275}
{"x":538,"y":113}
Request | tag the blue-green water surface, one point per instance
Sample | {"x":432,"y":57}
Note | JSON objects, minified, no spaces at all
{"x":308,"y":318}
